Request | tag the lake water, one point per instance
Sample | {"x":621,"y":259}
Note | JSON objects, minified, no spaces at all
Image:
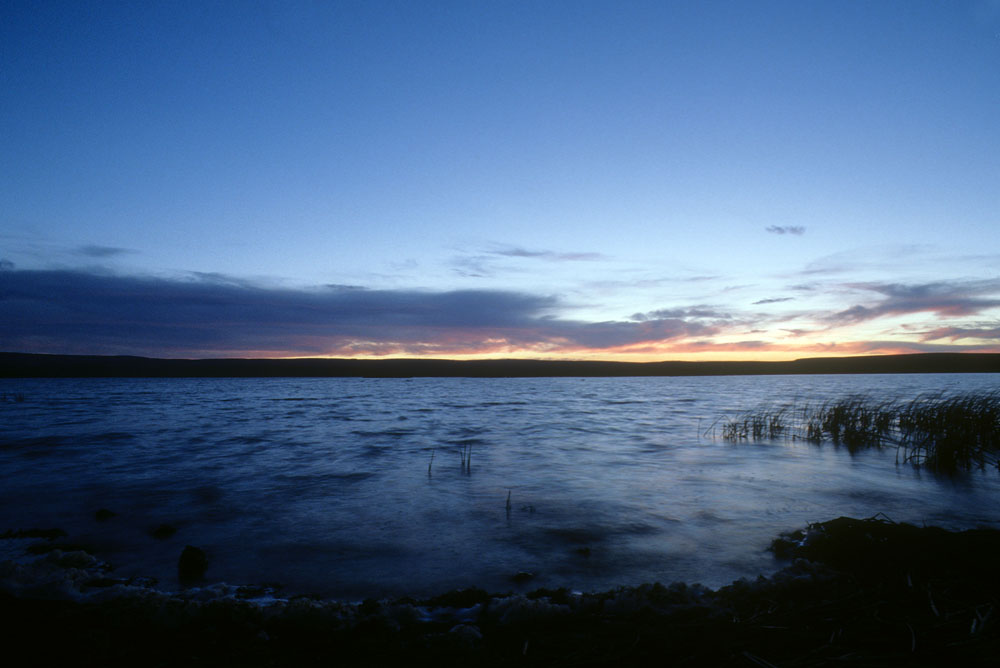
{"x":351,"y":487}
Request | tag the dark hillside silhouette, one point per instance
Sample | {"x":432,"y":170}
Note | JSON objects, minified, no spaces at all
{"x":22,"y":365}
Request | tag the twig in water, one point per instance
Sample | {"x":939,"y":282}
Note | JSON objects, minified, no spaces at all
{"x":465,"y":452}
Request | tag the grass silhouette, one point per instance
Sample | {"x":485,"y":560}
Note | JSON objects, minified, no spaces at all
{"x":941,"y":432}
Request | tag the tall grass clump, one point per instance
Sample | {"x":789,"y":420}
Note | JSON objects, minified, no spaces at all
{"x":952,"y":433}
{"x":940,"y":432}
{"x":855,"y":422}
{"x":756,"y":425}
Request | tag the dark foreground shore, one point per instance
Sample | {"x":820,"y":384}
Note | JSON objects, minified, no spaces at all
{"x":854,"y":592}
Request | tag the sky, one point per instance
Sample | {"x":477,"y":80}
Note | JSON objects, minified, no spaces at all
{"x":753,"y":179}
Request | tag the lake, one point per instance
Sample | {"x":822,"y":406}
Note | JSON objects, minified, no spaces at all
{"x":353,"y":487}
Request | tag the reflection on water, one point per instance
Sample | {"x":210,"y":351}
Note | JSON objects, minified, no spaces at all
{"x":356,"y":487}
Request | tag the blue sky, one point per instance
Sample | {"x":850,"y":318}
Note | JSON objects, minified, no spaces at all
{"x":606,"y":180}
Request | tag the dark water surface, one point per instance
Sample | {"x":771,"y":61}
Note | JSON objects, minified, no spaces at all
{"x":322,"y":485}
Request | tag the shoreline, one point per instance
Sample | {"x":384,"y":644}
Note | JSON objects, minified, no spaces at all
{"x":868,"y":592}
{"x":30,"y":365}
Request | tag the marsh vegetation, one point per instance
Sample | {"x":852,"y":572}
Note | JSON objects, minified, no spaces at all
{"x":940,"y":432}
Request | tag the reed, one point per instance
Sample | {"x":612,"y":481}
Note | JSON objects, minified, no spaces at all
{"x":942,"y":432}
{"x":953,"y":432}
{"x":763,"y":424}
{"x":465,"y":452}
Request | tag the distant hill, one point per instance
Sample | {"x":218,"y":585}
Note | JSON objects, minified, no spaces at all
{"x":23,"y":365}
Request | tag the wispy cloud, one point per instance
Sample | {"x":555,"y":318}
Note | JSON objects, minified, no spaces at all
{"x":491,"y":262}
{"x":876,"y":258}
{"x":475,"y":266}
{"x":775,"y":300}
{"x":797,"y":230}
{"x":644,"y":283}
{"x":942,"y":298}
{"x":552,"y":256}
{"x":957,"y":333}
{"x":695,"y":312}
{"x":102,"y":251}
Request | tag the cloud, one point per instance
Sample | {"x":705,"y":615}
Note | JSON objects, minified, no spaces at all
{"x":548,"y":255}
{"x":797,"y":331}
{"x":215,"y":315}
{"x":776,"y":300}
{"x":956,"y":333}
{"x":643,"y":283}
{"x":697,"y":312}
{"x":486,"y":264}
{"x":797,"y":230}
{"x":102,"y":251}
{"x":614,"y":334}
{"x":877,"y":258}
{"x":472,"y":267}
{"x":943,"y":298}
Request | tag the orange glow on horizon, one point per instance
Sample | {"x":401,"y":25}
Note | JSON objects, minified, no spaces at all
{"x":678,"y":354}
{"x":466,"y":345}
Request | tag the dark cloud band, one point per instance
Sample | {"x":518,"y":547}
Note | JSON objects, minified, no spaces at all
{"x":72,"y":311}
